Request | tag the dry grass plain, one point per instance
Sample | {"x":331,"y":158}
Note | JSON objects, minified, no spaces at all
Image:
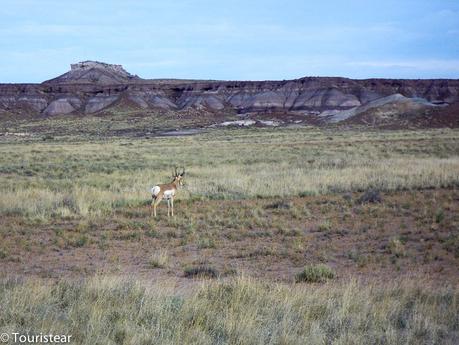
{"x":269,"y":218}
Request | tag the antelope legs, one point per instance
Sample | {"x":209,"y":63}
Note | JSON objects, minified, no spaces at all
{"x":170,"y":207}
{"x":153,"y":208}
{"x":157,"y":200}
{"x":155,"y":203}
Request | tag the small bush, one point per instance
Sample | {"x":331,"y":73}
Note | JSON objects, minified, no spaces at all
{"x":171,"y":234}
{"x":360,"y":259}
{"x":152,"y":233}
{"x":315,"y":274}
{"x":3,"y":254}
{"x":439,"y":216}
{"x":370,"y":196}
{"x":79,"y":241}
{"x":202,"y":271}
{"x":128,"y":236}
{"x":324,"y":226}
{"x":206,"y":243}
{"x":159,"y":259}
{"x":451,"y":244}
{"x":280,"y":205}
{"x":347,"y":197}
{"x":396,"y":247}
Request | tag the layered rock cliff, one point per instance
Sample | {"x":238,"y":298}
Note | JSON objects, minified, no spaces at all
{"x":91,"y":87}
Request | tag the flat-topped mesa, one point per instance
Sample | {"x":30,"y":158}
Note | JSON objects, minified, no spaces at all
{"x":87,"y":65}
{"x":94,"y":72}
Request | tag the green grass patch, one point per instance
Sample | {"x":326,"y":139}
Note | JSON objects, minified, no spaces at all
{"x":315,"y":274}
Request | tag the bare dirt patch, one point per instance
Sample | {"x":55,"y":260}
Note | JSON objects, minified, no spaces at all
{"x":408,"y":233}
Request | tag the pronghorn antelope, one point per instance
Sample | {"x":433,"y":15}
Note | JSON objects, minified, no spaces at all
{"x":167,"y":191}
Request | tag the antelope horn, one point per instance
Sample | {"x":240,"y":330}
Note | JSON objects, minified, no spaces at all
{"x":183,"y":172}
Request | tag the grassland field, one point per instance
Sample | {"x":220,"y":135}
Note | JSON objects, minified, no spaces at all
{"x":276,"y":238}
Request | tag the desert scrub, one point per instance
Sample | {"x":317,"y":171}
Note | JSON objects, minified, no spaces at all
{"x":206,"y":243}
{"x":451,"y":244}
{"x":315,"y":274}
{"x":201,"y":271}
{"x":238,"y":311}
{"x":396,"y":247}
{"x":370,"y":196}
{"x":90,"y":178}
{"x":159,"y":259}
{"x":324,"y":226}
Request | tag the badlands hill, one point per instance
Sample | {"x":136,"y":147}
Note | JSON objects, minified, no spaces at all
{"x":92,"y":87}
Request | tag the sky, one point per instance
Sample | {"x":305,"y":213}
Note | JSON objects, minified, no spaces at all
{"x":232,"y":40}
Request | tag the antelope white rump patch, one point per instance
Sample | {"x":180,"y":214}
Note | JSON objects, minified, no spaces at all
{"x":155,"y":190}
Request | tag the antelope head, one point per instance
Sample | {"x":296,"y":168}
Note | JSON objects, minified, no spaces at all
{"x":178,"y":177}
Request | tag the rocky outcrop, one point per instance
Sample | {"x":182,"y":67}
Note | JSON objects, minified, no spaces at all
{"x":94,"y":72}
{"x":393,"y":104}
{"x":99,"y":102}
{"x":63,"y":105}
{"x":36,"y":103}
{"x":91,"y":87}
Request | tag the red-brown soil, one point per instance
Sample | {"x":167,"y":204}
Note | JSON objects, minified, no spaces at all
{"x":410,"y":233}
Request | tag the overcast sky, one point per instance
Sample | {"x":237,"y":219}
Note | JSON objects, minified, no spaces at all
{"x":250,"y":40}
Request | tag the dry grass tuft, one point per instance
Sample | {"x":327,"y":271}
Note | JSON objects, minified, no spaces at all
{"x":201,"y":271}
{"x":315,"y":274}
{"x":159,"y":259}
